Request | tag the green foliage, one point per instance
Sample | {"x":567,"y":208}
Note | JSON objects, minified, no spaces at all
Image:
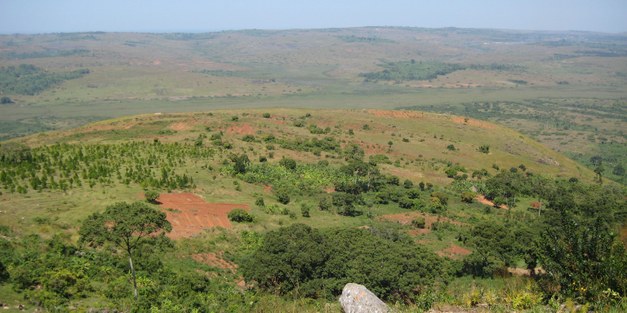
{"x":580,"y":249}
{"x":304,"y":210}
{"x":266,"y":115}
{"x":494,"y":249}
{"x":240,"y":163}
{"x":128,"y":227}
{"x":66,"y":166}
{"x":288,"y":163}
{"x":418,"y":222}
{"x":307,"y":262}
{"x":407,"y":70}
{"x":328,"y":144}
{"x":240,"y":216}
{"x":346,"y":203}
{"x":27,"y":79}
{"x":468,"y":196}
{"x":260,"y":202}
{"x":484,"y":149}
{"x":282,"y":196}
{"x":152,"y":196}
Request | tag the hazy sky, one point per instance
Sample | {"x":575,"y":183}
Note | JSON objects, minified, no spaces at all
{"x":44,"y":16}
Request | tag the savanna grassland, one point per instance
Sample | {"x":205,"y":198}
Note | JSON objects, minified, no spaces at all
{"x":446,"y":169}
{"x":560,"y":88}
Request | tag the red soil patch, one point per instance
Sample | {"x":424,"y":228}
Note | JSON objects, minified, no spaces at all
{"x":407,"y":218}
{"x":215,"y":260}
{"x":481,"y":199}
{"x":180,"y":126}
{"x":396,"y":114}
{"x":373,"y":148}
{"x":267,"y":189}
{"x":416,"y":232}
{"x":454,"y":251}
{"x":472,"y":122}
{"x":243,"y":129}
{"x":189,"y":214}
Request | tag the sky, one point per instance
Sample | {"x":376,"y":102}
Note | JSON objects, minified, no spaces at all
{"x":51,"y":16}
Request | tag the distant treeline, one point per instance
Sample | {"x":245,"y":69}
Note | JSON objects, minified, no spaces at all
{"x":353,"y":38}
{"x":426,"y":70}
{"x":27,"y":79}
{"x":49,"y":53}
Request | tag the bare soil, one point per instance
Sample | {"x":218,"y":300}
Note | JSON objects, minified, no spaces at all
{"x":215,"y":260}
{"x":454,"y":251}
{"x":243,"y":129}
{"x":189,"y":214}
{"x":481,"y":199}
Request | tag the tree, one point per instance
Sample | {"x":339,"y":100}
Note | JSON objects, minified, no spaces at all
{"x":240,"y":163}
{"x":127,"y":226}
{"x":152,"y":196}
{"x":288,"y":163}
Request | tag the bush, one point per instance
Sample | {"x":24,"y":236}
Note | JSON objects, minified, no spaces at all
{"x":304,"y":210}
{"x":306,"y":262}
{"x":419,"y":222}
{"x":240,"y":216}
{"x":468,"y":196}
{"x":282,"y":196}
{"x":152,"y":196}
{"x":266,"y":115}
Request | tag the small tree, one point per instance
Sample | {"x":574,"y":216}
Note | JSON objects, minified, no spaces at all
{"x":484,"y":149}
{"x":240,"y":163}
{"x":468,"y":196}
{"x":152,"y":196}
{"x":304,"y":210}
{"x":127,"y":226}
{"x":419,"y":222}
{"x":282,"y":196}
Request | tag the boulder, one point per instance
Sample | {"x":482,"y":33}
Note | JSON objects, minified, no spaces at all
{"x":356,"y":298}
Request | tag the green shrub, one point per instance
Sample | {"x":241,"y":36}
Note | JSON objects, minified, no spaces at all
{"x":240,"y":216}
{"x":152,"y":196}
{"x":419,"y":222}
{"x":306,"y":262}
{"x":467,"y":196}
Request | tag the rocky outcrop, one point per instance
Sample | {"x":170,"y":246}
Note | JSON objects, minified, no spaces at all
{"x":356,"y":298}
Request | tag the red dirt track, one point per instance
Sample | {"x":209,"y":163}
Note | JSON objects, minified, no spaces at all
{"x":189,"y":214}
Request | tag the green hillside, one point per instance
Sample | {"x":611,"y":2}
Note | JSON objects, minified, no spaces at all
{"x":405,"y":184}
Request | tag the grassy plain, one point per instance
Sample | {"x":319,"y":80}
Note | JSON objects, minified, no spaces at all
{"x":535,"y":72}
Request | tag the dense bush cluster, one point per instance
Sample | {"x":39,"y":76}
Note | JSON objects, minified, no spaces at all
{"x":412,"y":70}
{"x":27,"y":79}
{"x":304,"y":261}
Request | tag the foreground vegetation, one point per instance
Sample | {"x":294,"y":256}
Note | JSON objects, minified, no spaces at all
{"x":328,"y":207}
